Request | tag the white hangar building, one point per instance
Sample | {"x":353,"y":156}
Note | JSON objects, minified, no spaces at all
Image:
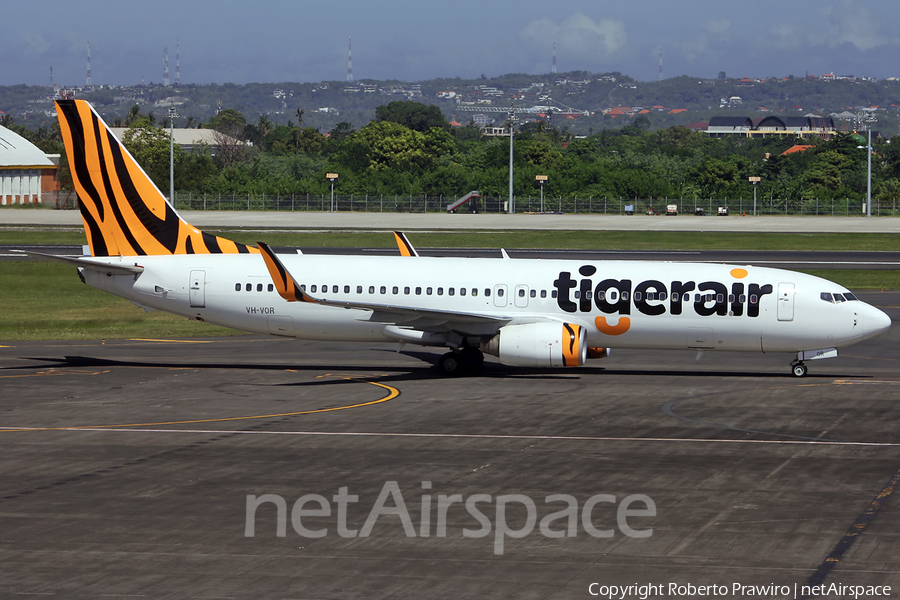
{"x":26,"y":173}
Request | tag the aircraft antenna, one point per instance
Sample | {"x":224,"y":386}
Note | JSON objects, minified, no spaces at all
{"x":88,"y":81}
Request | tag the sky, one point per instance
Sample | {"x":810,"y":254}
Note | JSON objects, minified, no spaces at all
{"x":268,"y":41}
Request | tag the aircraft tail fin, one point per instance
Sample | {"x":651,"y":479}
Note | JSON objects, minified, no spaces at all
{"x":124,"y":212}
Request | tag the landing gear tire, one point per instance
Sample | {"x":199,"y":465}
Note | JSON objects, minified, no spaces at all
{"x":465,"y":361}
{"x":798,"y":370}
{"x":450,"y":364}
{"x":472,"y":359}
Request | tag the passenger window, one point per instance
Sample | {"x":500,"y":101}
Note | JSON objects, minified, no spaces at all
{"x":406,"y":290}
{"x":359,"y":289}
{"x":662,"y":296}
{"x":451,"y":291}
{"x":418,"y":291}
{"x":650,"y":296}
{"x":237,"y":287}
{"x":577,"y":294}
{"x":674,"y":296}
{"x":720,"y":298}
{"x":500,"y":292}
{"x":440,"y":291}
{"x":346,"y":289}
{"x":613,"y":296}
{"x":487,"y":291}
{"x":601,"y":296}
{"x":731,"y":297}
{"x":371,"y":289}
{"x":637,"y":297}
{"x":533,"y":293}
{"x":395,"y":290}
{"x":474,"y":291}
{"x":383,"y":289}
{"x":428,"y":291}
{"x":313,"y":288}
{"x":753,"y":299}
{"x":521,"y":293}
{"x":334,"y":289}
{"x":742,"y":298}
{"x":271,"y":287}
{"x":553,"y":294}
{"x":303,"y":286}
{"x":543,"y":293}
{"x":462,"y":291}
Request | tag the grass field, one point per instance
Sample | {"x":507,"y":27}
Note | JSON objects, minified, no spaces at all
{"x":44,"y":300}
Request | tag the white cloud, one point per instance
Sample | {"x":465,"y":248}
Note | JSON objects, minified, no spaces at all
{"x":850,"y":22}
{"x":717,"y":26}
{"x":34,"y":43}
{"x":578,"y":36}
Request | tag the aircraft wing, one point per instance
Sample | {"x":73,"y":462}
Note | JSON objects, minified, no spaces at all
{"x":88,"y":263}
{"x":420,"y":318}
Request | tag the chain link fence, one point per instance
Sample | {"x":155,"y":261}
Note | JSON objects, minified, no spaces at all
{"x":529,"y":204}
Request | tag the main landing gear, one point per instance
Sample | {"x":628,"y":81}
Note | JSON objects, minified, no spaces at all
{"x":461,"y":362}
{"x":798,"y":369}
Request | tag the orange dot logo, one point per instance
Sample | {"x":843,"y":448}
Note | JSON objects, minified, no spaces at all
{"x":739,"y":273}
{"x":619,"y":328}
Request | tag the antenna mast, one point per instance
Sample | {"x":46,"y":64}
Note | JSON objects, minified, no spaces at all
{"x":88,"y":81}
{"x":350,"y":59}
{"x":178,"y":62}
{"x":553,"y":68}
{"x":165,"y":66}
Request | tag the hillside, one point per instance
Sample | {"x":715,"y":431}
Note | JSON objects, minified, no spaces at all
{"x":594,"y":102}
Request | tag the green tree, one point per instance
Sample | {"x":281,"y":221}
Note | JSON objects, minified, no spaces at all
{"x":413,"y":115}
{"x":150,"y":147}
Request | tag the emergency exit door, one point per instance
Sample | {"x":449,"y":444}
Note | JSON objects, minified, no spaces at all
{"x":786,"y":294}
{"x":198,"y":289}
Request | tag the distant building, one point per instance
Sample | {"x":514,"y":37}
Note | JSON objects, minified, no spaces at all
{"x":189,"y":139}
{"x":772,"y":126}
{"x":26,"y":173}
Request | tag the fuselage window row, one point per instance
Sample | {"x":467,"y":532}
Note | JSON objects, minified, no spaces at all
{"x":450,"y":291}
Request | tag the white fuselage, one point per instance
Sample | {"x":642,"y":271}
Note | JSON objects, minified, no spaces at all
{"x":624,"y":304}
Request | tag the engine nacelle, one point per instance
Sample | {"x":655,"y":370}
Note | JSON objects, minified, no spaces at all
{"x":539,"y":345}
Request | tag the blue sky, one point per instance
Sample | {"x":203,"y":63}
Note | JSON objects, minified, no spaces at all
{"x":306,"y":40}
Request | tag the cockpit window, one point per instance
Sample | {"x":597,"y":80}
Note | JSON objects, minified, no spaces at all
{"x":837,"y":298}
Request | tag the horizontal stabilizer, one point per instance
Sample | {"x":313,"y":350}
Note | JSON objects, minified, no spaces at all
{"x":87,"y":263}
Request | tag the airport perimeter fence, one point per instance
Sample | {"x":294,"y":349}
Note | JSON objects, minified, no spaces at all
{"x":529,"y":204}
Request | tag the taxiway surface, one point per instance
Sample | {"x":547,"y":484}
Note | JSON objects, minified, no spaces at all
{"x":127,"y":467}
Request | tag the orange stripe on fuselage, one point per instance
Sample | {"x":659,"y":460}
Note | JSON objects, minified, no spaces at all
{"x":619,"y":328}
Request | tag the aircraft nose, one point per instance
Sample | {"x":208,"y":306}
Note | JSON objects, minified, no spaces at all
{"x":875,"y":321}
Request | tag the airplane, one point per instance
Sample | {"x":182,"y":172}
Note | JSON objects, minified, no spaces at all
{"x":530,"y":313}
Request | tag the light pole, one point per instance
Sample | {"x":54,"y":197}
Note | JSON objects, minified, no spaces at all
{"x":541,"y":179}
{"x":172,"y":115}
{"x":512,"y":123}
{"x":869,"y":178}
{"x":754,"y":181}
{"x":332,"y":177}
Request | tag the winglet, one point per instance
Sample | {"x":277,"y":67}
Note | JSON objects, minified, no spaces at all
{"x":406,"y":249}
{"x":285,"y":283}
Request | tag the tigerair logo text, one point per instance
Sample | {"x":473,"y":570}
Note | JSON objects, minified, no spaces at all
{"x":653,"y":297}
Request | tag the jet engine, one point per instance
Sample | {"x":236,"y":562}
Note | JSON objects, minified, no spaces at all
{"x":551,"y":344}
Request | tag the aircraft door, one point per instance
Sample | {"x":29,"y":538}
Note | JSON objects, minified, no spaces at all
{"x":521,"y":299}
{"x":785,"y":301}
{"x":500,"y":295}
{"x":198,"y":289}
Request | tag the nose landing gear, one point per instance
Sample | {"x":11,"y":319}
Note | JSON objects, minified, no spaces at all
{"x":798,"y":369}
